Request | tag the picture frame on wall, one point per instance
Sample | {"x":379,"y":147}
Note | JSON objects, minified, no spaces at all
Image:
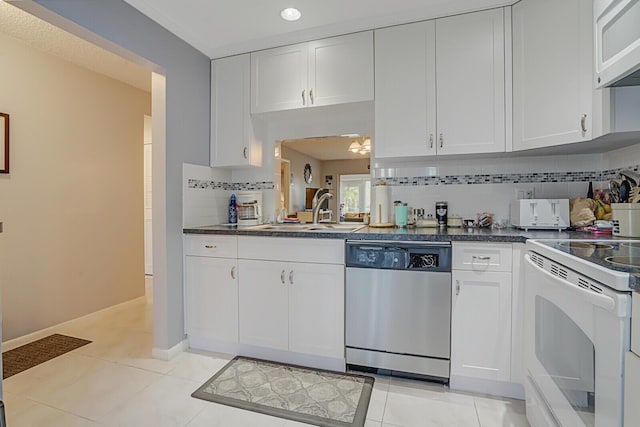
{"x":4,"y":143}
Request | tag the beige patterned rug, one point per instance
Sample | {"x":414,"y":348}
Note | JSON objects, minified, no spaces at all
{"x":29,"y":355}
{"x":322,"y":398}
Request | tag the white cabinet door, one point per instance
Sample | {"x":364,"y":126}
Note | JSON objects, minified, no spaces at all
{"x":316,"y":309}
{"x":264,"y":303}
{"x":211,"y":298}
{"x":341,"y":69}
{"x":279,"y":78}
{"x":552,"y":73}
{"x":470,"y":77}
{"x":232,"y":138}
{"x":405,"y":86}
{"x":481,"y":325}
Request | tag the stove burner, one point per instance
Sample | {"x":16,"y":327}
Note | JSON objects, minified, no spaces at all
{"x":585,"y":245}
{"x":625,"y":261}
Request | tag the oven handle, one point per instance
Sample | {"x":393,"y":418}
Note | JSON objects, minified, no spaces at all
{"x":600,"y":300}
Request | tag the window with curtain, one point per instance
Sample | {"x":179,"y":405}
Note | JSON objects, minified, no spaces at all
{"x":355,"y":193}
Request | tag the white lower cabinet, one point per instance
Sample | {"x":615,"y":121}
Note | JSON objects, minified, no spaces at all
{"x":486,"y":326}
{"x":481,"y":324}
{"x":211,"y":298}
{"x":316,"y":309}
{"x":292,"y":306}
{"x":264,"y":305}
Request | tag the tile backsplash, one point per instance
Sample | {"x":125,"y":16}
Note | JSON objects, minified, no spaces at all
{"x":470,"y":186}
{"x":232,"y":186}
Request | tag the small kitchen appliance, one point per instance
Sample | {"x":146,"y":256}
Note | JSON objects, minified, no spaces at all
{"x":540,"y":214}
{"x":249,"y":208}
{"x":626,"y":219}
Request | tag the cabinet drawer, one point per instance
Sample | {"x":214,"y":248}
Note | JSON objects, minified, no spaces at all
{"x":211,"y":245}
{"x":482,"y":256}
{"x":317,"y":251}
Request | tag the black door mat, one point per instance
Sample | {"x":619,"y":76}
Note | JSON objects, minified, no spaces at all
{"x":29,"y":355}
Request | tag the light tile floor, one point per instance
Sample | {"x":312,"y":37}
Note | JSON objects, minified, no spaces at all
{"x":114,"y":382}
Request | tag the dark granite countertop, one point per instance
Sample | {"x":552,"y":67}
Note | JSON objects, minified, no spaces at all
{"x":505,"y":235}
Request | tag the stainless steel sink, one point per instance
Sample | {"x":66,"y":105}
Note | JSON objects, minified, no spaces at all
{"x":321,"y":227}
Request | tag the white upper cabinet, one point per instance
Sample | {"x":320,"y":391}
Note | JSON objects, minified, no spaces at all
{"x":405,"y":107}
{"x":323,"y":72}
{"x":553,"y":95}
{"x":440,"y":86}
{"x":233,"y":142}
{"x":341,"y":69}
{"x":279,"y":78}
{"x":470,"y":77}
{"x":617,"y":25}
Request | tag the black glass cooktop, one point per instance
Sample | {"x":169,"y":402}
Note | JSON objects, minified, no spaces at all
{"x":616,"y":255}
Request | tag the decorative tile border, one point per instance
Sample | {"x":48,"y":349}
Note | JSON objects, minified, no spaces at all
{"x":507,"y":178}
{"x":241,"y":186}
{"x":615,"y":173}
{"x":233,"y":186}
{"x":510,"y":178}
{"x":204,"y":184}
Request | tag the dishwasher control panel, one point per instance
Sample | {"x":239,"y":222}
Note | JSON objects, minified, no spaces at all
{"x":398,"y":256}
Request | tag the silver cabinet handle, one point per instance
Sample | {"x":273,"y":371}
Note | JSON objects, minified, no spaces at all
{"x":233,"y":272}
{"x":291,"y":277}
{"x":441,"y":140}
{"x":481,"y":257}
{"x":457,"y":287}
{"x":282,"y":277}
{"x":245,"y":152}
{"x":430,"y":140}
{"x":304,"y":102}
{"x":210,"y":246}
{"x":583,"y":123}
{"x":311,"y":95}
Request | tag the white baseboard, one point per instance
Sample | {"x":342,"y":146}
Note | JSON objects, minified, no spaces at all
{"x":494,"y":388}
{"x":26,"y":339}
{"x":320,"y":362}
{"x":168,"y":354}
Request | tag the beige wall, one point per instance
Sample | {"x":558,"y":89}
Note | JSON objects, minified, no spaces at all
{"x":72,"y":206}
{"x":297,"y":196}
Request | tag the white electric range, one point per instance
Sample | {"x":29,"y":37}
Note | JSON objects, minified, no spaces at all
{"x":578,"y":330}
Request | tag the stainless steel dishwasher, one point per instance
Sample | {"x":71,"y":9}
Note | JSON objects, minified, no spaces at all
{"x":398,"y":307}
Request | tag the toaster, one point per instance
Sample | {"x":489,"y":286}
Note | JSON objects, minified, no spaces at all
{"x":540,"y":214}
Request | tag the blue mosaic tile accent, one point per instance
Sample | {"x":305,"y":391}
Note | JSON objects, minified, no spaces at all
{"x":233,"y":186}
{"x":509,"y":178}
{"x":203,"y":184}
{"x":615,"y":173}
{"x":241,"y":186}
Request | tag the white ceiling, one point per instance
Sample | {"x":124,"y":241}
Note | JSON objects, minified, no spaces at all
{"x":226,"y":27}
{"x":327,"y":148}
{"x":50,"y":39}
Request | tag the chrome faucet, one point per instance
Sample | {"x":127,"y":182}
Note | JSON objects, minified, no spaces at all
{"x":318,"y":204}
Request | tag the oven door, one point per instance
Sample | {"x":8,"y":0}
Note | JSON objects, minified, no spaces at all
{"x":575,"y":341}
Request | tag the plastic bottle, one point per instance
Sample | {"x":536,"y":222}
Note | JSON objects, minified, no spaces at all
{"x":233,"y":213}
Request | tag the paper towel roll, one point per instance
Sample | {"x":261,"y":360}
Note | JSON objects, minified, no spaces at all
{"x":381,"y":209}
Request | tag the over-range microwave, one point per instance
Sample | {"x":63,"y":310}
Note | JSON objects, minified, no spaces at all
{"x":617,"y":26}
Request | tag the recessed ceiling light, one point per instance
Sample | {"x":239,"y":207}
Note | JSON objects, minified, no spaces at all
{"x":290,"y":14}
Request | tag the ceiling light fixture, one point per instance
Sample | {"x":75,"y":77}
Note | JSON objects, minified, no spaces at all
{"x":355,"y":147}
{"x":290,"y":14}
{"x":360,"y":147}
